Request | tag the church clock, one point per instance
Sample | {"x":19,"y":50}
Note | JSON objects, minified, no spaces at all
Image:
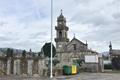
{"x":60,"y":23}
{"x":59,"y":45}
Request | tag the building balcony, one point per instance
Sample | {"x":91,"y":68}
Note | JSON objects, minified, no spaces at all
{"x":61,"y":39}
{"x":62,"y":28}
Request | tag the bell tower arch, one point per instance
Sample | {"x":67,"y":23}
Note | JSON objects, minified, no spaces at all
{"x":61,"y":33}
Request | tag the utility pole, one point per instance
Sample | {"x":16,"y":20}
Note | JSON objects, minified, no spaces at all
{"x":51,"y":74}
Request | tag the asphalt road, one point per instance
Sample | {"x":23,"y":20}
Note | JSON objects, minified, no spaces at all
{"x":96,"y":76}
{"x":82,"y":76}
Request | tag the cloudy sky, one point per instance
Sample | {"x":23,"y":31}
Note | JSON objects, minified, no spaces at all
{"x":25,"y":24}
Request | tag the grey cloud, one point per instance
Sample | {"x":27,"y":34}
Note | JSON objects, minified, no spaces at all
{"x":4,"y":38}
{"x":108,"y":32}
{"x":38,"y":35}
{"x":94,"y":20}
{"x":116,"y":15}
{"x":2,"y":23}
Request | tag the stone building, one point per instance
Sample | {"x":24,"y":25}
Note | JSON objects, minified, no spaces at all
{"x":115,"y":57}
{"x":29,"y":64}
{"x":68,"y":50}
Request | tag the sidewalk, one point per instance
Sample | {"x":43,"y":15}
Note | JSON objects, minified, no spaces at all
{"x":69,"y":77}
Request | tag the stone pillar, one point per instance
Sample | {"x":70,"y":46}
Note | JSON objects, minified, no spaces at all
{"x":41,"y":66}
{"x":35,"y":68}
{"x":101,"y":64}
{"x":1,"y":65}
{"x":8,"y":66}
{"x":30,"y":63}
{"x":17,"y":67}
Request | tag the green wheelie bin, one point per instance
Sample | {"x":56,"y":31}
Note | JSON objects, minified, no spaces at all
{"x":67,"y":70}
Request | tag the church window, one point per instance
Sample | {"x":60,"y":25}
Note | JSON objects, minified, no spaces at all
{"x":60,"y":34}
{"x":74,"y":46}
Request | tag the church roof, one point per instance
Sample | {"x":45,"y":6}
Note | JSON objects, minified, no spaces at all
{"x":81,"y":47}
{"x":76,"y":40}
{"x":115,"y":52}
{"x":61,"y":17}
{"x":89,"y":50}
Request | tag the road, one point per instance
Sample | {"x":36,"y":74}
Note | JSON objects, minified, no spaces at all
{"x":82,"y":76}
{"x":97,"y":76}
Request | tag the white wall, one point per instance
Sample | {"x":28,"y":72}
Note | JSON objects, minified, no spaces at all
{"x":91,"y":58}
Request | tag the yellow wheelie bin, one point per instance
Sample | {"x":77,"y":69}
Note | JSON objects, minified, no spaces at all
{"x":74,"y":69}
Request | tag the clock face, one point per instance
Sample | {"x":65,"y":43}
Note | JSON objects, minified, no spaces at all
{"x":60,"y":22}
{"x":60,"y":46}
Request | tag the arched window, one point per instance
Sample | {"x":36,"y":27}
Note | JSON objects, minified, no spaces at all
{"x":60,"y":34}
{"x":74,"y":46}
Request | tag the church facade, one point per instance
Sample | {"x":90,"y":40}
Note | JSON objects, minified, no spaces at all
{"x":115,"y":57}
{"x":68,"y":50}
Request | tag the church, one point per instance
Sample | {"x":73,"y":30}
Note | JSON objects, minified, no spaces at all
{"x":115,"y":57}
{"x":68,"y":50}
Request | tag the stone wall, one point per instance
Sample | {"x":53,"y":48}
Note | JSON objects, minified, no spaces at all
{"x":22,"y":66}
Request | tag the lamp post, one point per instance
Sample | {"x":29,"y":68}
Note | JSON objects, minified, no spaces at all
{"x":51,"y":75}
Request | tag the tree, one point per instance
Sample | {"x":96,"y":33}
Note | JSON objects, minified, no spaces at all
{"x":9,"y":52}
{"x":24,"y":53}
{"x":46,"y":50}
{"x":33,"y":54}
{"x":55,"y":61}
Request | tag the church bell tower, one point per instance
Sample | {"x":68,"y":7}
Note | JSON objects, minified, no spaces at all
{"x":61,"y":33}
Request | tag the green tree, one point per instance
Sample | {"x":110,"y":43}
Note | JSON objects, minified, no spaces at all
{"x":24,"y":53}
{"x":33,"y":54}
{"x":46,"y":50}
{"x":9,"y":52}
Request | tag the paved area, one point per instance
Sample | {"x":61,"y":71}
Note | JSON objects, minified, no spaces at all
{"x":97,"y":76}
{"x":82,"y":76}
